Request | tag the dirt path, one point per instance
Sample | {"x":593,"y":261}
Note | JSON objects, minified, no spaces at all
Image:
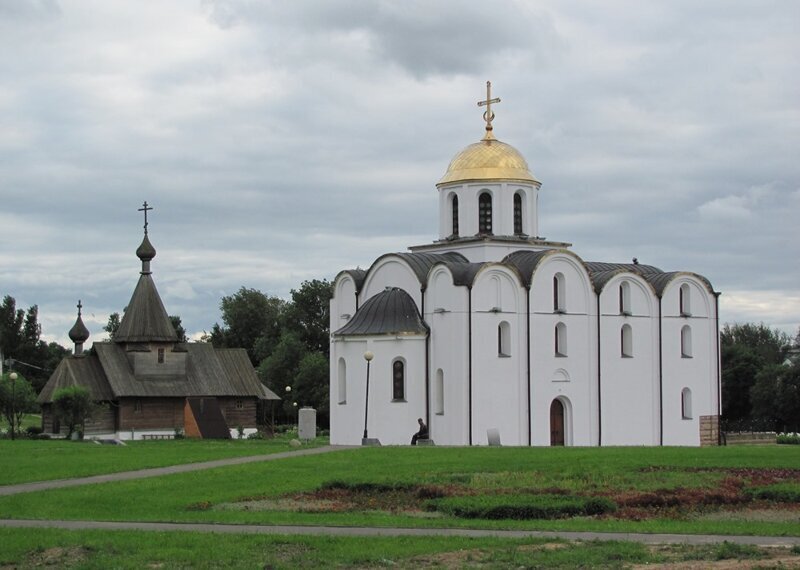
{"x":785,"y":541}
{"x":159,"y":471}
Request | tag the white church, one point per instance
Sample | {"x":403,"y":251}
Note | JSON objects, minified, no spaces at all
{"x":491,"y":332}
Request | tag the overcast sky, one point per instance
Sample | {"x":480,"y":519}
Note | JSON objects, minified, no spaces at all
{"x":285,"y":141}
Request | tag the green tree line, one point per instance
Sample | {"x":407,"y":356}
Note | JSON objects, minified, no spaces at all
{"x":760,"y":378}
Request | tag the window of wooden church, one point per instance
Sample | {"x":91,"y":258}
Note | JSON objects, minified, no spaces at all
{"x":137,"y":406}
{"x":485,"y":213}
{"x":161,"y":356}
{"x":239,"y":404}
{"x":398,"y":380}
{"x":518,"y":214}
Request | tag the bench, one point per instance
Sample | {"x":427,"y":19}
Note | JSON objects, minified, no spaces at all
{"x":425,"y":441}
{"x":158,"y":436}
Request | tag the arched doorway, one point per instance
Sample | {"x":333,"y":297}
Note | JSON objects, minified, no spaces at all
{"x":556,"y":423}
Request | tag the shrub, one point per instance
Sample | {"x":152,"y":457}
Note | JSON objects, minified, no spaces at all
{"x":256,"y":435}
{"x":522,"y":507}
{"x":33,"y":431}
{"x":779,"y":493}
{"x":788,"y":438}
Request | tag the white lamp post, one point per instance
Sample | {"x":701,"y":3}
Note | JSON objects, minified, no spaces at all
{"x":13,"y":378}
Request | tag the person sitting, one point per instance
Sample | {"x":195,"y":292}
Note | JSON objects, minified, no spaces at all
{"x":421,"y":434}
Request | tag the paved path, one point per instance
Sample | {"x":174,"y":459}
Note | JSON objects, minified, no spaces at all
{"x":373,"y":531}
{"x":159,"y":471}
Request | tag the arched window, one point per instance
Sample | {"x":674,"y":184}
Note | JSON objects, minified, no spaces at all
{"x":559,"y":294}
{"x":485,"y":213}
{"x":626,"y":341}
{"x":686,"y":342}
{"x":439,"y":392}
{"x":518,"y":214}
{"x":624,"y":298}
{"x":454,"y":209}
{"x":398,"y":380}
{"x":504,"y":339}
{"x":342,"y":381}
{"x":685,"y":300}
{"x":686,"y":404}
{"x":561,"y":339}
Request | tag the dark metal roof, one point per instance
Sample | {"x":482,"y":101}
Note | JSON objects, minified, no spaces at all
{"x":463,"y":273}
{"x":83,"y":371}
{"x":421,"y":263}
{"x":526,"y":262}
{"x":597,"y":266}
{"x":661,"y":280}
{"x":358,"y":275}
{"x":392,"y":311}
{"x":145,"y":319}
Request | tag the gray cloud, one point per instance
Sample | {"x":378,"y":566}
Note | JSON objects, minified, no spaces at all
{"x":286,"y":141}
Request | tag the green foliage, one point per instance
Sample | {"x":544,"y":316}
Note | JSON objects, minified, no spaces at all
{"x":17,"y":399}
{"x":308,"y":315}
{"x":73,"y":406}
{"x":732,"y":551}
{"x":252,"y":320}
{"x":522,"y":507}
{"x":112,"y":326}
{"x":778,"y":493}
{"x":747,"y":350}
{"x":178,"y":326}
{"x":310,"y":386}
{"x":788,"y":438}
{"x":20,"y":340}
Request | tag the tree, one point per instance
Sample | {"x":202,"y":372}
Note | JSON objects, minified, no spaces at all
{"x":279,"y":369}
{"x":20,"y":340}
{"x":17,"y":399}
{"x":747,"y":349}
{"x":308,"y":315}
{"x":252,"y":320}
{"x":178,"y":326}
{"x":112,"y":326}
{"x":73,"y":406}
{"x":310,"y":386}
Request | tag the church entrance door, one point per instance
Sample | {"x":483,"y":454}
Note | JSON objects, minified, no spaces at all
{"x":556,"y":423}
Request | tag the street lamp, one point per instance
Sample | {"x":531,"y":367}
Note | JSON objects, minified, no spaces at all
{"x":13,"y":378}
{"x":368,"y":356}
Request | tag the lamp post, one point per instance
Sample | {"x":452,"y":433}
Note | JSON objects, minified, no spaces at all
{"x":13,"y":378}
{"x":368,"y":356}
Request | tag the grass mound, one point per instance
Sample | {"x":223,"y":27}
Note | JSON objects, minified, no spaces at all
{"x":522,"y":507}
{"x":780,"y":493}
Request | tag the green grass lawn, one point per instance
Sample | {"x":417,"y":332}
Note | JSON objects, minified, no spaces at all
{"x":22,"y":548}
{"x":25,"y":460}
{"x":27,"y":421}
{"x":225,"y":494}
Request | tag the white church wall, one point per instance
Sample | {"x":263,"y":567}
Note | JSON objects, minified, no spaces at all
{"x":629,"y":403}
{"x":391,"y":271}
{"x":696,"y":370}
{"x":343,"y":302}
{"x":391,"y":421}
{"x":502,"y":208}
{"x":446,"y":314}
{"x":499,"y":387}
{"x":571,"y":377}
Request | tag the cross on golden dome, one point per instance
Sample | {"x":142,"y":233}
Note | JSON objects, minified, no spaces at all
{"x":488,"y":115}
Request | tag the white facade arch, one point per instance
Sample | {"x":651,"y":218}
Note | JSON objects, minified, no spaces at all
{"x":391,"y":271}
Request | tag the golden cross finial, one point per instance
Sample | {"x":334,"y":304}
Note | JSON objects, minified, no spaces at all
{"x":145,"y":208}
{"x":488,"y":115}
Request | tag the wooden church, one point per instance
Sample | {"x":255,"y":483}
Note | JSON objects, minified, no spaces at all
{"x":149,"y":384}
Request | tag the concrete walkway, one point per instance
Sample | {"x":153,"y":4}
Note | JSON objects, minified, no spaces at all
{"x":159,"y":471}
{"x":785,"y":541}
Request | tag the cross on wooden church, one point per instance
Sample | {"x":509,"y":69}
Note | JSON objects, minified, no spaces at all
{"x":145,"y":208}
{"x":488,"y":115}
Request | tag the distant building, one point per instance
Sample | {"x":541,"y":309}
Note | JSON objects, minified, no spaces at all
{"x":149,"y":383}
{"x":494,"y":328}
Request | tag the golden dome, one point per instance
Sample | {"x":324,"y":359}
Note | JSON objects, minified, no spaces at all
{"x":488,"y":159}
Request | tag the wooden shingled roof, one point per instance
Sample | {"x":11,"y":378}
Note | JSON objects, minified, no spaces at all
{"x":83,"y":371}
{"x":145,"y":319}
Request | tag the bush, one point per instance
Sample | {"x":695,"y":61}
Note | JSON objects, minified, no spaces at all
{"x":779,"y":493}
{"x":522,"y":507}
{"x":33,"y":431}
{"x":788,"y":438}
